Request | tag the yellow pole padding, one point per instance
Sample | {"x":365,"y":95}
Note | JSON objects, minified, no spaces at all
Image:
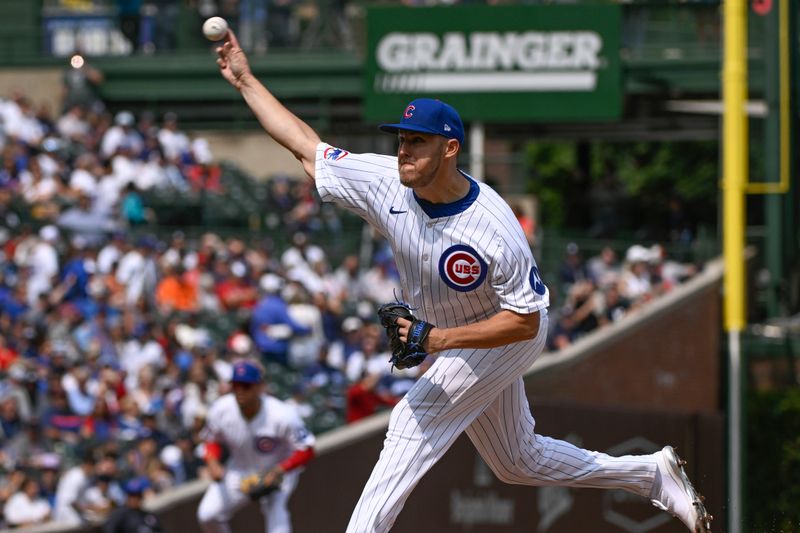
{"x":735,"y":160}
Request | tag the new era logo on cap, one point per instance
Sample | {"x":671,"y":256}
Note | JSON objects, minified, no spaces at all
{"x":426,"y":115}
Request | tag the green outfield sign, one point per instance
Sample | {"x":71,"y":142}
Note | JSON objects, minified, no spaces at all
{"x":496,"y":63}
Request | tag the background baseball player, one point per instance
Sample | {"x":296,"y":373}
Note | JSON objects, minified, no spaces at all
{"x":467,"y":269}
{"x":266,"y":443}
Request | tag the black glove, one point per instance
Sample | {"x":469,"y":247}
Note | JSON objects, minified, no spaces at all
{"x":404,"y":354}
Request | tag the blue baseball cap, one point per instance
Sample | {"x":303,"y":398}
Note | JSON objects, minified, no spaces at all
{"x":246,"y":372}
{"x":136,"y":486}
{"x":429,"y":116}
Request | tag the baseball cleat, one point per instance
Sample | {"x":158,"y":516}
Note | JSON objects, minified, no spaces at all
{"x":677,"y":495}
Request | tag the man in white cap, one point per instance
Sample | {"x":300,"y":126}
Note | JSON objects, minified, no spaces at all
{"x":271,"y":326}
{"x":121,"y":134}
{"x":43,"y":262}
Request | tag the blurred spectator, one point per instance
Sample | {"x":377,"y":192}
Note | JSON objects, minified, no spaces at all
{"x":11,"y":484}
{"x":668,"y":272}
{"x":271,"y":326}
{"x":583,"y":307}
{"x":347,"y":279}
{"x":180,"y":457}
{"x":43,"y":263}
{"x":76,"y":383}
{"x":79,"y":85}
{"x":635,"y":283}
{"x":129,"y":420}
{"x":10,"y":419}
{"x":252,"y":31}
{"x":132,"y":206}
{"x":527,"y":223}
{"x":380,"y":283}
{"x":369,"y":358}
{"x":131,"y":517}
{"x":615,"y":306}
{"x":201,"y":172}
{"x":279,"y":201}
{"x":364,"y":398}
{"x":82,"y":180}
{"x":71,"y":492}
{"x":322,"y":375}
{"x":678,"y":224}
{"x":104,"y":494}
{"x":38,"y":189}
{"x":111,"y":252}
{"x":604,"y":269}
{"x":121,"y":136}
{"x":48,"y":468}
{"x":300,"y":254}
{"x":129,"y":13}
{"x":175,"y":292}
{"x":102,"y":424}
{"x":138,"y":352}
{"x":26,"y":507}
{"x":304,"y":350}
{"x":235,"y":289}
{"x":138,"y":271}
{"x":86,"y":222}
{"x":72,"y":124}
{"x":174,"y":142}
{"x":343,"y":347}
{"x":7,"y":354}
{"x":15,"y":385}
{"x":166,"y":24}
{"x":199,"y":393}
{"x":329,"y":24}
{"x":572,"y":267}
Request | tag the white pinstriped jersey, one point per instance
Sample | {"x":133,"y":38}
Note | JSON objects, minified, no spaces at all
{"x":464,"y":264}
{"x":261,"y":443}
{"x":461,"y":263}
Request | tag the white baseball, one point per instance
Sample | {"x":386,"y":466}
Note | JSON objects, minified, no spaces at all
{"x":215,"y":28}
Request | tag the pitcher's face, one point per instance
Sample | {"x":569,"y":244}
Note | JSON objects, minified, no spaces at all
{"x":419,"y":157}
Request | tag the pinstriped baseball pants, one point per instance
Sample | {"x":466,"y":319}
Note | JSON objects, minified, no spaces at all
{"x":482,"y":392}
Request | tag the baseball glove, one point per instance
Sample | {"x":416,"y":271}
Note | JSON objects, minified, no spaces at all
{"x":404,"y":354}
{"x":256,"y":486}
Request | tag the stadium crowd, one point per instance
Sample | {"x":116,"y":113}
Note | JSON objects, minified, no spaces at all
{"x":114,"y":340}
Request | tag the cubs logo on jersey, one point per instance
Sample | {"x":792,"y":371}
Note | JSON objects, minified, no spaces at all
{"x":461,"y":268}
{"x":335,"y":154}
{"x":265,"y":444}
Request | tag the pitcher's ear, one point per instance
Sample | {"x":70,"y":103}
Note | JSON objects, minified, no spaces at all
{"x":452,"y":148}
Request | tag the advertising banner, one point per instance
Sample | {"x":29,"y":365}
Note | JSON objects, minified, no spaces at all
{"x":496,"y":63}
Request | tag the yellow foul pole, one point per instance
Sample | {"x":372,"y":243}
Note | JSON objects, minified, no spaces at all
{"x":735,"y":177}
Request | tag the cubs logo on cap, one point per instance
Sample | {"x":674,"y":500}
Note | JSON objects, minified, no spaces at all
{"x":246,"y":372}
{"x":461,"y":268}
{"x":426,"y":115}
